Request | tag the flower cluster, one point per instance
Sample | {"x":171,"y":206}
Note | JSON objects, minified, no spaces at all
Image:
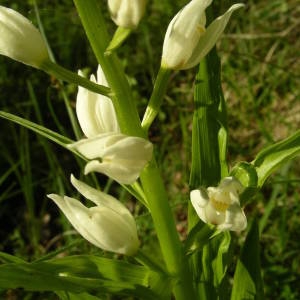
{"x":109,"y":225}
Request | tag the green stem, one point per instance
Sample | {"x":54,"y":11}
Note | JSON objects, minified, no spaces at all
{"x":163,"y":219}
{"x":128,"y":118}
{"x":148,"y":261}
{"x":66,"y":75}
{"x":156,"y":99}
{"x":95,"y":28}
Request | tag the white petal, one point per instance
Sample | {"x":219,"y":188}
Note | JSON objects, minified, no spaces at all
{"x":100,"y":198}
{"x":100,"y":225}
{"x":120,"y":216}
{"x":116,"y":233}
{"x":104,"y":110}
{"x":86,"y":104}
{"x":199,"y":201}
{"x":20,"y":40}
{"x":95,"y":112}
{"x":210,"y":37}
{"x":92,"y":147}
{"x":115,"y":146}
{"x":122,"y":157}
{"x":199,"y":197}
{"x":183,"y":34}
{"x":78,"y":215}
{"x":117,"y":172}
{"x":127,"y":13}
{"x":236,"y":218}
{"x":213,"y":216}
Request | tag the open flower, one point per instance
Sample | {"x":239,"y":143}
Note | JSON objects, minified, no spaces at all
{"x":221,"y":205}
{"x":20,"y":40}
{"x":109,"y":225}
{"x":187,"y":40}
{"x":116,"y":155}
{"x":112,"y":153}
{"x":127,"y":13}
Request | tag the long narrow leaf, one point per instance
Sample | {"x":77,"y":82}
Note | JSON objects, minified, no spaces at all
{"x":47,"y":133}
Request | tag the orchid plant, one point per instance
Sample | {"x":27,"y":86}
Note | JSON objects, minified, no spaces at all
{"x":116,"y":144}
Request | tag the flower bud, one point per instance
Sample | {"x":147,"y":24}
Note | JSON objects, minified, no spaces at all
{"x":95,"y":112}
{"x":116,"y":155}
{"x":20,"y":40}
{"x":187,"y":40}
{"x":127,"y":13}
{"x":221,"y":205}
{"x":109,"y":225}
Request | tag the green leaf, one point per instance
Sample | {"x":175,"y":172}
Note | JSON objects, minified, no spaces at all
{"x":199,"y":236}
{"x":79,"y":274}
{"x":119,"y":37}
{"x":273,"y":156}
{"x":41,"y":130}
{"x":7,"y":258}
{"x":49,"y":134}
{"x":247,"y":175}
{"x":215,"y":259}
{"x":247,"y":281}
{"x":220,"y":263}
{"x":72,"y":296}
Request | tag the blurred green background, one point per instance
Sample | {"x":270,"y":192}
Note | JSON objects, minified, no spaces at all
{"x":261,"y":76}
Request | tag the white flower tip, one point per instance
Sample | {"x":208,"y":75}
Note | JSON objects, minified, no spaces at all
{"x":59,"y":200}
{"x":51,"y":195}
{"x":73,"y":179}
{"x":20,"y":39}
{"x":127,"y":13}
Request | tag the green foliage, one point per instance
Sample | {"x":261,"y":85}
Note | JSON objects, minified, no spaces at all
{"x":247,"y":281}
{"x":260,"y":79}
{"x":78,"y":274}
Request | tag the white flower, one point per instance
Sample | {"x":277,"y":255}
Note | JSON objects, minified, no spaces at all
{"x":109,"y":225}
{"x":20,"y":40}
{"x":117,"y":155}
{"x":112,"y":153}
{"x":95,"y":112}
{"x":126,"y":13}
{"x":187,"y":40}
{"x":221,"y":205}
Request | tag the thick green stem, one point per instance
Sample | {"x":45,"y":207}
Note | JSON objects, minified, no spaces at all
{"x":94,"y":25}
{"x":156,"y":99}
{"x":95,"y":28}
{"x":163,"y":219}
